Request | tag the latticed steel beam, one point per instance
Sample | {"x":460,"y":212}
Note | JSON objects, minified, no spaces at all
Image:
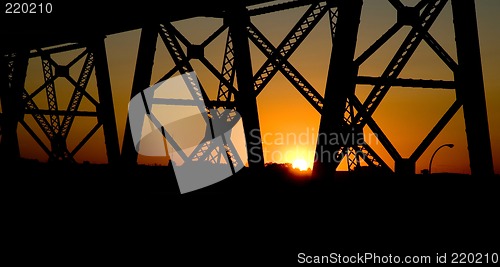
{"x":206,"y":149}
{"x":173,"y":46}
{"x":361,"y":151}
{"x":59,"y":141}
{"x":77,"y":95}
{"x":55,"y":130}
{"x":341,"y":115}
{"x":352,"y":159}
{"x":403,"y":55}
{"x":294,"y":76}
{"x":42,"y":122}
{"x":224,"y":94}
{"x":357,"y":149}
{"x":65,"y":72}
{"x":281,"y":7}
{"x":389,"y":77}
{"x":59,"y":130}
{"x":354,"y":153}
{"x":296,"y":79}
{"x":169,"y":37}
{"x":209,"y":150}
{"x":167,"y":33}
{"x":238,"y":20}
{"x":420,"y":31}
{"x":372,"y":158}
{"x":333,"y":14}
{"x":291,"y":42}
{"x":391,"y":149}
{"x":50,"y":90}
{"x":62,"y":113}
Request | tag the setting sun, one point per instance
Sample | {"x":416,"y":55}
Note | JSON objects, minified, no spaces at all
{"x":300,"y":164}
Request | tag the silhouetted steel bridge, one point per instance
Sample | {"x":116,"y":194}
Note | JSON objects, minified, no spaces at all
{"x":341,"y":110}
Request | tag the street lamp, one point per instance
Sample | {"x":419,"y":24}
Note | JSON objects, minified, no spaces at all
{"x":445,"y":145}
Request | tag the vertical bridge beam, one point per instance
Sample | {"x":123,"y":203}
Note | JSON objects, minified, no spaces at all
{"x":470,"y":87}
{"x":142,"y":80}
{"x":246,"y":99}
{"x":341,"y":83}
{"x":106,"y":111}
{"x":13,"y":71}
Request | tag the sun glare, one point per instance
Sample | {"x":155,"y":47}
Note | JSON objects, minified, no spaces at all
{"x":300,"y":164}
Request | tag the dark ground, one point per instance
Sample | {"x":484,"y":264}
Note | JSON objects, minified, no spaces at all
{"x":99,"y":214}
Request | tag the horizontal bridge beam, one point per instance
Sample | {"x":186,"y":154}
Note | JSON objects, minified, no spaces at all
{"x":433,"y":84}
{"x":57,"y":49}
{"x":61,"y":113}
{"x":282,"y":6}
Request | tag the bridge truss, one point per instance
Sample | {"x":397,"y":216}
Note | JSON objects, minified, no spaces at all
{"x":341,"y":111}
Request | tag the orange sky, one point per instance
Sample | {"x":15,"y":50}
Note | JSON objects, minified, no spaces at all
{"x":406,"y":115}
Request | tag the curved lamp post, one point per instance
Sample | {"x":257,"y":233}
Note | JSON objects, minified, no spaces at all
{"x":445,"y":145}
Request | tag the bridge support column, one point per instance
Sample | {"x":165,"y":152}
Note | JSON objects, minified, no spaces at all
{"x":106,"y":111}
{"x":246,"y":98}
{"x":470,"y":87}
{"x":341,"y":83}
{"x":13,"y":70}
{"x":405,"y":167}
{"x":142,"y":80}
